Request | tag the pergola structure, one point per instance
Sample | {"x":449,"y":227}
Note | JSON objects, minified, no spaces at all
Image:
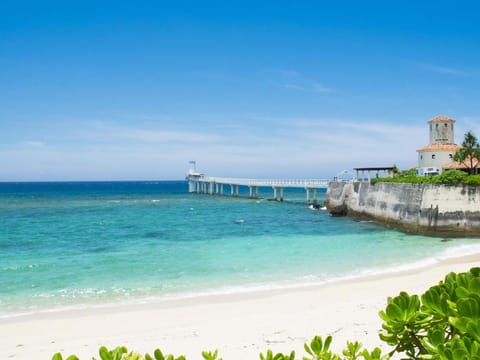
{"x":385,"y":171}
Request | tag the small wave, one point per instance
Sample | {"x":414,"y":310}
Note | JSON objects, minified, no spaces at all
{"x":20,"y":267}
{"x":313,"y":207}
{"x":459,"y":251}
{"x":113,"y":297}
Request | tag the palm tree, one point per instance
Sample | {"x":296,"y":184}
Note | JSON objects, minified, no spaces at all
{"x":469,"y":153}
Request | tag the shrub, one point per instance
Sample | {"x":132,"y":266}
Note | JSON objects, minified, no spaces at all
{"x":448,"y":177}
{"x":472,"y":180}
{"x":408,"y":173}
{"x":451,"y":177}
{"x":445,"y":322}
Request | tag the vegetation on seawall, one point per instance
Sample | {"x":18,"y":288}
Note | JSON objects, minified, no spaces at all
{"x":448,"y":177}
{"x":443,"y":323}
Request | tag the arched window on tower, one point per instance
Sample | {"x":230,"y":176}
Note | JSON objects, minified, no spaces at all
{"x":433,"y":156}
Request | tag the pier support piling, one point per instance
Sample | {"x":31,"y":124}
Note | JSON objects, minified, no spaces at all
{"x":278,"y":193}
{"x":234,"y":190}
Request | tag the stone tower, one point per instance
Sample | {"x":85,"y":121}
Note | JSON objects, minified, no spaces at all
{"x":441,"y":130}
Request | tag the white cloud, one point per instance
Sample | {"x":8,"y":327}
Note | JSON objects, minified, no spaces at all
{"x":316,"y":148}
{"x":104,"y":132}
{"x":263,"y":146}
{"x":441,"y":69}
{"x":320,"y":88}
{"x":294,"y":80}
{"x":32,"y":143}
{"x":294,"y":87}
{"x":470,"y":123}
{"x":166,"y":136}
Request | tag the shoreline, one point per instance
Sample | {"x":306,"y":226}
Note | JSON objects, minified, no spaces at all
{"x":240,"y":325}
{"x":248,"y":290}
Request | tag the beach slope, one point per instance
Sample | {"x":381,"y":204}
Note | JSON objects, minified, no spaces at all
{"x":240,"y":326}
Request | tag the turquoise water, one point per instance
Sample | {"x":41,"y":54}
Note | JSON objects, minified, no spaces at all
{"x":69,"y":245}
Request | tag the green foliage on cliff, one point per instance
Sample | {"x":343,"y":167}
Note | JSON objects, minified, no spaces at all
{"x":443,"y":324}
{"x":473,"y":180}
{"x":449,"y":177}
{"x":469,"y":153}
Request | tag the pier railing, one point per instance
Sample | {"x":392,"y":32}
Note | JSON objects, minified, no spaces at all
{"x":212,"y":185}
{"x":292,"y":183}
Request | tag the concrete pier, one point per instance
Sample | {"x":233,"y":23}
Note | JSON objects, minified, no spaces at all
{"x":199,"y":183}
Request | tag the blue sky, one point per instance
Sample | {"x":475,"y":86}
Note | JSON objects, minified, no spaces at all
{"x":116,"y":90}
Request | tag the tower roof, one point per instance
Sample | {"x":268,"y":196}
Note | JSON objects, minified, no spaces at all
{"x":461,"y":165}
{"x":441,"y":118}
{"x":439,"y":147}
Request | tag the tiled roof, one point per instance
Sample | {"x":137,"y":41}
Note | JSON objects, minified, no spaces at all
{"x":461,"y":165}
{"x":441,"y":147}
{"x":441,"y":118}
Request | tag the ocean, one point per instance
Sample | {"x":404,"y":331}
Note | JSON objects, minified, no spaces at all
{"x":71,"y":245}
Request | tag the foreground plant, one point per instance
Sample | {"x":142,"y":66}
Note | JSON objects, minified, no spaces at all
{"x":443,"y":325}
{"x":121,"y":353}
{"x":319,"y":349}
{"x":59,"y":356}
{"x":279,"y":356}
{"x":208,"y":355}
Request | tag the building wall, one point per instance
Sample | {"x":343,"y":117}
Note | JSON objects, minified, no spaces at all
{"x":420,"y":208}
{"x":437,"y":158}
{"x":441,"y":132}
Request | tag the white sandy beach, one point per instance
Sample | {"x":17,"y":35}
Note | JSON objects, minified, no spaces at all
{"x":240,"y":325}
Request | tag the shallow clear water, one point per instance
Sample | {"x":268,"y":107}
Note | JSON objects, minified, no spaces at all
{"x":83,"y":244}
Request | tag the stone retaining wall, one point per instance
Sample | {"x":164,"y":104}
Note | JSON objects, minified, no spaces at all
{"x":421,"y":208}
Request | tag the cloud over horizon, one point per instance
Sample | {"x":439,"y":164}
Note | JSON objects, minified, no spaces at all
{"x":299,"y":147}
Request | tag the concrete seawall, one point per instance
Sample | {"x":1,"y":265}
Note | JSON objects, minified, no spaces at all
{"x":443,"y":210}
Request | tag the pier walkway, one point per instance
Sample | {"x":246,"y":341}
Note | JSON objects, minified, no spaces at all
{"x":199,"y":183}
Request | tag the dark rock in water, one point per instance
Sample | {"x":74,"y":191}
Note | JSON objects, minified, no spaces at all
{"x":154,"y":234}
{"x":340,"y":210}
{"x":445,"y":240}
